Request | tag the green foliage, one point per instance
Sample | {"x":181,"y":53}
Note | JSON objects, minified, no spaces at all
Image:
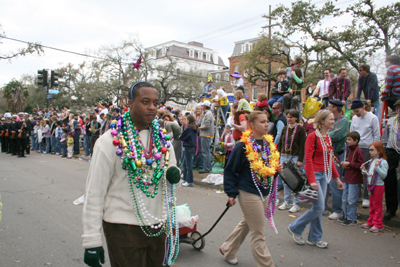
{"x":28,"y":108}
{"x":371,"y":29}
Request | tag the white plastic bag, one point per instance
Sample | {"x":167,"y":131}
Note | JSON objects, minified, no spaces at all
{"x":219,"y":180}
{"x":184,"y":216}
{"x":214,"y":179}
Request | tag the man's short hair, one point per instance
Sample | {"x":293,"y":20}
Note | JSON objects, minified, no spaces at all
{"x":279,"y":105}
{"x":341,"y":69}
{"x":365,"y":67}
{"x":168,"y":108}
{"x":394,"y":59}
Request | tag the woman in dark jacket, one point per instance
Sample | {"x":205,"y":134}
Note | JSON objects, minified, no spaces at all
{"x":245,"y":177}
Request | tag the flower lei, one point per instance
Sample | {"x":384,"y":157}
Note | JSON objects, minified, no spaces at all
{"x":264,"y":165}
{"x":138,"y":161}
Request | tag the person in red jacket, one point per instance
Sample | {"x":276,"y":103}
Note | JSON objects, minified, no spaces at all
{"x":352,"y":179}
{"x":320,"y":169}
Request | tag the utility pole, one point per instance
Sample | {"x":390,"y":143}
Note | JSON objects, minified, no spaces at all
{"x":269,"y":26}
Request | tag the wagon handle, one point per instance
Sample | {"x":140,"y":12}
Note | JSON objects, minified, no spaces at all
{"x":220,"y":217}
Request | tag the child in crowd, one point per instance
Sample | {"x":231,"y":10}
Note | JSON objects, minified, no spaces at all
{"x":70,"y":144}
{"x":63,"y":142}
{"x":262,"y":101}
{"x":280,"y":88}
{"x":376,"y":172}
{"x":352,"y":179}
{"x":229,"y":142}
{"x":188,"y":137}
{"x":58,"y":135}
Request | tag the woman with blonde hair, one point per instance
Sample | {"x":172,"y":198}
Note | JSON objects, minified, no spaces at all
{"x":320,"y":169}
{"x":246,"y":178}
{"x":198,"y":158}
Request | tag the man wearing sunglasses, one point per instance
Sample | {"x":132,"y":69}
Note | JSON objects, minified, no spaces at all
{"x":368,"y":84}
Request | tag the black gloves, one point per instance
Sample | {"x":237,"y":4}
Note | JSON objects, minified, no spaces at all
{"x":93,"y":256}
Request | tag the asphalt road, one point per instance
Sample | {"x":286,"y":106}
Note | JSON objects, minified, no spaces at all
{"x":41,"y":226}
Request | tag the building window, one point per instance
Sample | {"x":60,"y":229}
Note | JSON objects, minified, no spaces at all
{"x":208,"y":56}
{"x":237,"y":68}
{"x":200,"y":55}
{"x":154,"y":53}
{"x":191,"y":53}
{"x":218,"y":77}
{"x":163,"y":51}
{"x":255,"y":93}
{"x":227,"y":77}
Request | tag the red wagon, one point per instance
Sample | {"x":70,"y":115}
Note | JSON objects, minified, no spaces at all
{"x":188,"y":236}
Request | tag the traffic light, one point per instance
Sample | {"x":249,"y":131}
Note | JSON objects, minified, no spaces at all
{"x":53,"y":78}
{"x":42,"y":78}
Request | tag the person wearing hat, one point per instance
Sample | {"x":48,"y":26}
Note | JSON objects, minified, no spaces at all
{"x":2,"y":133}
{"x":22,"y":135}
{"x":13,"y":131}
{"x":238,"y":80}
{"x":209,"y":86}
{"x":367,"y":125}
{"x":29,"y":126}
{"x":7,"y":134}
{"x":206,"y":136}
{"x":391,"y":141}
{"x":338,"y":135}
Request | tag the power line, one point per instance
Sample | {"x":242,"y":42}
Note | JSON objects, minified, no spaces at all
{"x":227,"y":27}
{"x":232,"y":31}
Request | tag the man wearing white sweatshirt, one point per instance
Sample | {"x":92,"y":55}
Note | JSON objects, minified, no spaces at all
{"x":367,"y":125}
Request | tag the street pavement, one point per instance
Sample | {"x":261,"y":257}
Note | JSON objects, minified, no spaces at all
{"x":42,"y":227}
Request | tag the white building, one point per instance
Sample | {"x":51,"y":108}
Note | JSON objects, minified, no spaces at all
{"x":188,"y":56}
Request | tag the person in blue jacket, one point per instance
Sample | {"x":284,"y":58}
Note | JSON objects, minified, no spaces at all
{"x":188,"y":137}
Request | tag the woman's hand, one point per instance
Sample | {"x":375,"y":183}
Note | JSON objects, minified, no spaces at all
{"x":340,"y":185}
{"x":293,"y":73}
{"x":231,"y":201}
{"x":314,"y":186}
{"x":299,"y":164}
{"x":291,"y":91}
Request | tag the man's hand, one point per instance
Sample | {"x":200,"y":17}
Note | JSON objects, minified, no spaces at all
{"x":291,"y":91}
{"x":344,"y":101}
{"x":231,"y":201}
{"x":299,"y":164}
{"x":279,"y":91}
{"x":94,"y":256}
{"x":280,"y":168}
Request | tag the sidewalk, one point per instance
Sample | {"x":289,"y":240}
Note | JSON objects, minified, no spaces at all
{"x":363,"y":213}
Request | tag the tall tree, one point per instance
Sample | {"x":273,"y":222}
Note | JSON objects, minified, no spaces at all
{"x":350,"y":43}
{"x":15,"y":92}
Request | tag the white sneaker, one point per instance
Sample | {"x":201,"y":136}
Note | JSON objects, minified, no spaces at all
{"x":284,"y":206}
{"x":79,"y":200}
{"x":184,"y":183}
{"x":294,"y":208}
{"x":277,"y":202}
{"x":334,"y":216}
{"x":57,"y":153}
{"x":233,"y":262}
{"x":365,"y":203}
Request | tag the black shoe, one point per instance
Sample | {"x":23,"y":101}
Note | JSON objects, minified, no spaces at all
{"x":349,"y":223}
{"x":342,"y":219}
{"x":204,"y":172}
{"x":388,"y":215}
{"x":21,"y":156}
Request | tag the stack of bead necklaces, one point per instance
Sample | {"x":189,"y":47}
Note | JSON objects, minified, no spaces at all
{"x":138,"y":162}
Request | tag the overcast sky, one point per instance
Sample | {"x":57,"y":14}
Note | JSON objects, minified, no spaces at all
{"x":89,"y":24}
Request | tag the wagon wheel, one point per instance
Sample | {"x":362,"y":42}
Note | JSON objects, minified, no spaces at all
{"x":199,"y":245}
